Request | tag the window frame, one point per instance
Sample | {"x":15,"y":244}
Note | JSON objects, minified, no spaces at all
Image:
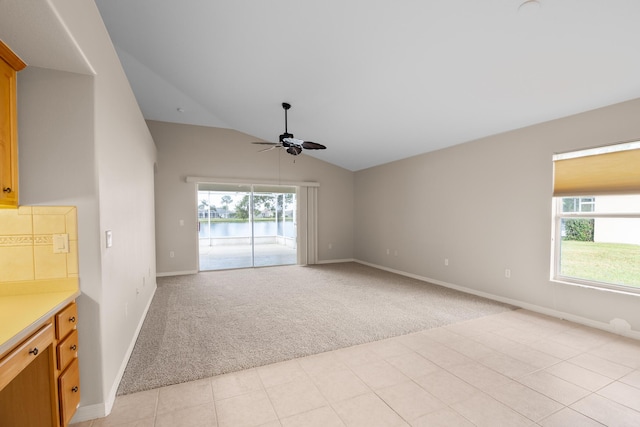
{"x":578,"y":201}
{"x":558,"y":215}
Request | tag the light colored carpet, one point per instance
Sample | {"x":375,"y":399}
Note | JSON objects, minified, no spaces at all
{"x":216,"y":322}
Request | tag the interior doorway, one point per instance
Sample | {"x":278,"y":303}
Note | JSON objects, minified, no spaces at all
{"x":246,"y":225}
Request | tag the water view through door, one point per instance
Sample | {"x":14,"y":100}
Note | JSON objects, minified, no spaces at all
{"x":243,"y":226}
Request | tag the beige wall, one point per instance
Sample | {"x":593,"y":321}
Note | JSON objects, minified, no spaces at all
{"x":57,"y":166}
{"x":486,"y":206}
{"x":83,"y":142}
{"x":185,"y":150}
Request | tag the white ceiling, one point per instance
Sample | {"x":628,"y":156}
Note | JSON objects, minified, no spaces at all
{"x":374,"y":80}
{"x":35,"y":33}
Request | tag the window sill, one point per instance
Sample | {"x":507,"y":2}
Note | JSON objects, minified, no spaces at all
{"x":597,"y":286}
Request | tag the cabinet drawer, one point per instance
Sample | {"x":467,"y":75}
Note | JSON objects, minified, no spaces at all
{"x":69,"y":391}
{"x":67,"y":350}
{"x":13,"y":363}
{"x":66,"y":320}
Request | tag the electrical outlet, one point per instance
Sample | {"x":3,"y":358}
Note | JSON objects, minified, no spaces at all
{"x":507,"y":273}
{"x":172,"y":254}
{"x":446,"y":261}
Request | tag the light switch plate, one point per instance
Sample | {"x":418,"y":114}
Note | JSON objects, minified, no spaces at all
{"x":60,"y":243}
{"x":108,"y":238}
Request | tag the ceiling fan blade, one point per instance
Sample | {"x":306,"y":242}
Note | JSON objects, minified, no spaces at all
{"x":308,"y":145}
{"x":270,"y":148}
{"x":294,"y":151}
{"x":265,"y":143}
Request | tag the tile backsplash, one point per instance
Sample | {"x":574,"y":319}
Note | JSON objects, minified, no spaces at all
{"x":28,"y":239}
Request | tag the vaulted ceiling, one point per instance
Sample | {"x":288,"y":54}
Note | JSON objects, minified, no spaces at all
{"x":375,"y":80}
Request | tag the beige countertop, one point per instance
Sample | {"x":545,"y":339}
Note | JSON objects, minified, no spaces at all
{"x":24,"y":308}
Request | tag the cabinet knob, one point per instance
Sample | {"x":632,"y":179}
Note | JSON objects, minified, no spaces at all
{"x":74,"y":389}
{"x":74,"y":347}
{"x":72,"y":319}
{"x":34,"y":351}
{"x":7,"y":190}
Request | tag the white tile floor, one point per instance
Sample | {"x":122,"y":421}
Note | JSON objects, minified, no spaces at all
{"x":516,"y":368}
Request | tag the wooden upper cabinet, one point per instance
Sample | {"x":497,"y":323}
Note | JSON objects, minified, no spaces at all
{"x":10,"y":64}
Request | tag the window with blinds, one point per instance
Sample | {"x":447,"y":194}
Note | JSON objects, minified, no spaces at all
{"x":596,"y":196}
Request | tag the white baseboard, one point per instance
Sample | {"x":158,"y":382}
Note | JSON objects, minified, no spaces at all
{"x":89,"y":412}
{"x":335,"y":261}
{"x":100,"y":410}
{"x":531,"y":307}
{"x":177,"y":273}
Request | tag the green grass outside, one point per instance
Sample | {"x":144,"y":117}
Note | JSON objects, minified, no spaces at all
{"x":615,"y":263}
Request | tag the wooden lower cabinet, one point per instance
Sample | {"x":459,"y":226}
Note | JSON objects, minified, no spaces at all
{"x":69,"y":392}
{"x":40,"y":378}
{"x":27,"y":387}
{"x":68,"y":376}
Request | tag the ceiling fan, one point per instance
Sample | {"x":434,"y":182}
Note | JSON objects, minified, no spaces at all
{"x":293,"y":145}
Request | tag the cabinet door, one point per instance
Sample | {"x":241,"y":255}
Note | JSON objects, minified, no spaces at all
{"x":69,"y":391}
{"x":8,"y":148}
{"x":9,"y":65}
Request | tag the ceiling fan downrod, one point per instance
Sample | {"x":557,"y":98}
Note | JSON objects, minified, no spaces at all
{"x":286,"y":107}
{"x":286,"y":133}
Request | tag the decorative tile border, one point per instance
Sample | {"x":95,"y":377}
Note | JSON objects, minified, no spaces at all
{"x":43,"y":239}
{"x":23,"y":240}
{"x":26,"y":240}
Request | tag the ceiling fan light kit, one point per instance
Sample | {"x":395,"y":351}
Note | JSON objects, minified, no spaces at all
{"x":293,"y":145}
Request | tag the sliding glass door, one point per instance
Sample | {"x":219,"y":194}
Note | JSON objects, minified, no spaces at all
{"x":274,"y":225}
{"x":224,"y":232}
{"x":246,"y":226}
